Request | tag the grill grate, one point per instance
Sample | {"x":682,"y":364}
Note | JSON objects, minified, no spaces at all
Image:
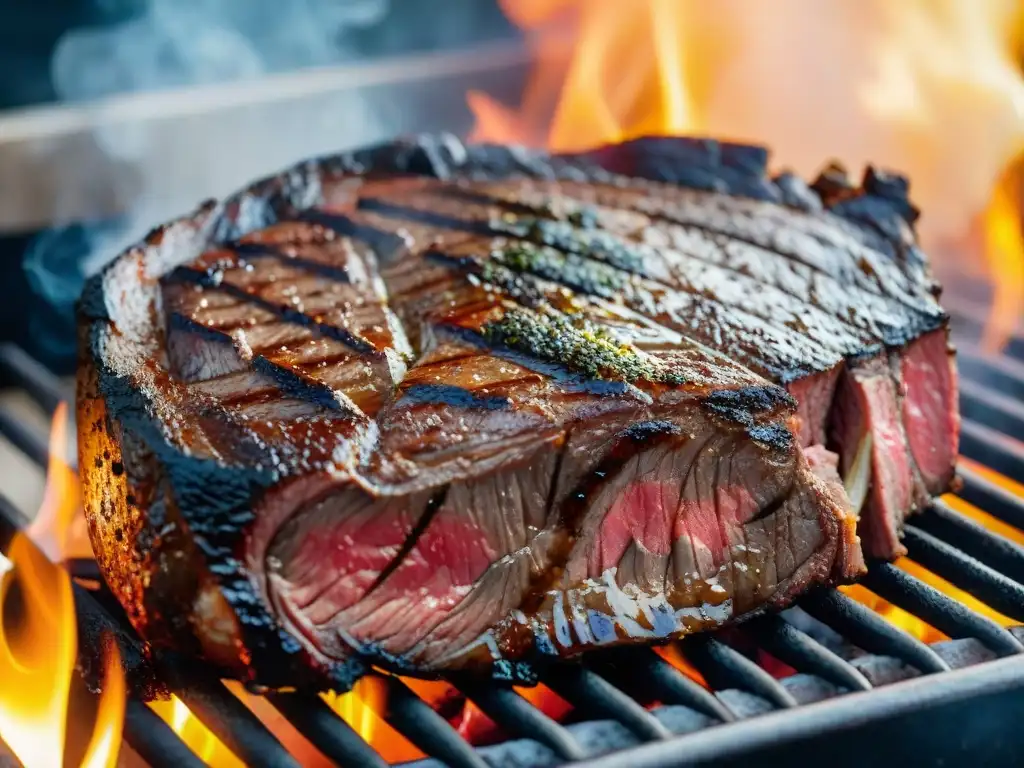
{"x":607,"y":689}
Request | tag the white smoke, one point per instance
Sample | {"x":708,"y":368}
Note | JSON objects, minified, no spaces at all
{"x":175,"y":44}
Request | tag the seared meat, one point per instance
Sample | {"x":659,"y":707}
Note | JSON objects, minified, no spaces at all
{"x":438,"y":408}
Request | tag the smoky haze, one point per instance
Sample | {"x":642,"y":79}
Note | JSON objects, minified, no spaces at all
{"x":180,"y":44}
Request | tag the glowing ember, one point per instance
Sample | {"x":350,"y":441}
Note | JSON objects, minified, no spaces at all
{"x":38,"y":644}
{"x":674,"y":656}
{"x":929,"y":87}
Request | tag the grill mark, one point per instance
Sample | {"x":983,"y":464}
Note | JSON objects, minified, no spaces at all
{"x":292,"y":383}
{"x":901,"y":292}
{"x":356,"y":342}
{"x":641,"y":299}
{"x":888,"y":280}
{"x":885,"y":322}
{"x":323,"y":269}
{"x":434,"y":503}
{"x":447,"y":394}
{"x":421,"y":216}
{"x":593,"y":245}
{"x":595,"y":277}
{"x":387,"y":246}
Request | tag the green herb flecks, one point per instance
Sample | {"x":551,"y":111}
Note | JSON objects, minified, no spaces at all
{"x":580,"y":347}
{"x":591,"y":243}
{"x":579,"y":274}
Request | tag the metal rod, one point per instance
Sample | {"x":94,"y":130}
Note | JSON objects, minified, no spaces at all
{"x":335,"y":738}
{"x":227,"y":717}
{"x":641,"y":668}
{"x":154,"y":740}
{"x":986,"y":445}
{"x":519,"y":718}
{"x":724,"y":667}
{"x":803,"y":653}
{"x":27,"y":440}
{"x":980,"y":404}
{"x":972,"y":537}
{"x":988,"y":585}
{"x":415,"y":720}
{"x":941,"y":611}
{"x":747,"y":742}
{"x":993,"y":498}
{"x":1000,"y":373}
{"x":19,"y":369}
{"x":597,"y":698}
{"x":869,"y":631}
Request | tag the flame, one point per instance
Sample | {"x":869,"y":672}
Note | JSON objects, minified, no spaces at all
{"x":197,"y":737}
{"x":59,"y":527}
{"x":37,"y":657}
{"x":673,"y":654}
{"x":359,"y":707}
{"x":930,"y":87}
{"x":37,"y":661}
{"x":105,"y":744}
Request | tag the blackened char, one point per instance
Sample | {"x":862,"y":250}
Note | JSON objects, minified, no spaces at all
{"x":442,"y":407}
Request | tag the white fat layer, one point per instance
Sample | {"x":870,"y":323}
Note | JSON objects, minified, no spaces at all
{"x":858,"y":478}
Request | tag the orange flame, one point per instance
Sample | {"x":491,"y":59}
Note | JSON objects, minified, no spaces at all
{"x":190,"y":729}
{"x":37,"y":661}
{"x":930,"y":87}
{"x":105,"y":744}
{"x":59,"y":527}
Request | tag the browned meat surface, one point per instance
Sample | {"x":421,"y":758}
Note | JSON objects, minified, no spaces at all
{"x":441,"y":408}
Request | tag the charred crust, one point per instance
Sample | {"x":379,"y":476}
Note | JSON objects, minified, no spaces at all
{"x":446,"y":394}
{"x":216,"y":501}
{"x":749,"y":405}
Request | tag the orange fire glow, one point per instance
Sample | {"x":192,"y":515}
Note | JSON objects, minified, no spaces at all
{"x":59,"y":527}
{"x":930,"y":87}
{"x":33,"y":724}
{"x":38,"y":644}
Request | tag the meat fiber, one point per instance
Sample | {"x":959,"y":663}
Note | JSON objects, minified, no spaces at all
{"x":438,"y":407}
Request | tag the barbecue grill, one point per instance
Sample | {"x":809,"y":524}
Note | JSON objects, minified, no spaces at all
{"x":951,"y":701}
{"x":861,"y":689}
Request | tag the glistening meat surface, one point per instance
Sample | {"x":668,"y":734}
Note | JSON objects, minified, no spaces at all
{"x":447,"y":408}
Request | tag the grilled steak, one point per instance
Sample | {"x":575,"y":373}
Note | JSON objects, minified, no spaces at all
{"x":439,"y":407}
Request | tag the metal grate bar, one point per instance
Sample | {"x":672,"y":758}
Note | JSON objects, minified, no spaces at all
{"x":829,"y":733}
{"x":999,"y":373}
{"x":976,"y":540}
{"x":596,"y":697}
{"x":20,"y":369}
{"x":869,"y":631}
{"x":800,"y":651}
{"x":979,"y":403}
{"x":942,"y":612}
{"x":986,"y":445}
{"x":414,"y":719}
{"x":24,"y":438}
{"x":154,"y":740}
{"x":228,"y":718}
{"x":518,"y":717}
{"x":724,"y":667}
{"x":997,"y":501}
{"x":644,"y":671}
{"x":985,"y":583}
{"x":330,"y":734}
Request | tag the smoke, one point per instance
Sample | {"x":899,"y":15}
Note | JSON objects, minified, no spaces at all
{"x":174,"y":44}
